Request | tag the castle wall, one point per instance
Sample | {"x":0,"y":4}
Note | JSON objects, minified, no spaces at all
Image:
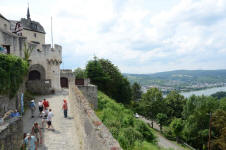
{"x":11,"y":137}
{"x":35,"y":37}
{"x":15,"y":42}
{"x":42,"y":54}
{"x":50,"y":59}
{"x":90,"y":93}
{"x":94,"y":133}
{"x":4,"y":24}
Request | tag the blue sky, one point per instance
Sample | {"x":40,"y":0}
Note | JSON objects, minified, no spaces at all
{"x":139,"y":36}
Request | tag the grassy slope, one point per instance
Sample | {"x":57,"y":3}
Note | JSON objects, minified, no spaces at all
{"x":132,"y":134}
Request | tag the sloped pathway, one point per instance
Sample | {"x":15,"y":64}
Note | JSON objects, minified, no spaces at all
{"x":64,"y":136}
{"x":162,"y":141}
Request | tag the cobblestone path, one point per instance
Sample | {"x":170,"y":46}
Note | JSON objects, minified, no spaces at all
{"x":64,"y":136}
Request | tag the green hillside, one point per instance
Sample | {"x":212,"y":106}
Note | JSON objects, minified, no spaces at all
{"x":179,"y":77}
{"x":131,"y":133}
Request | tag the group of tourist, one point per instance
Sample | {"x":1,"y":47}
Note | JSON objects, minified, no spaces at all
{"x":33,"y":139}
{"x":44,"y":112}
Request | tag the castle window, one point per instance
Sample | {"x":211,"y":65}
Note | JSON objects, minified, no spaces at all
{"x":35,"y":35}
{"x":34,"y":75}
{"x":7,"y":47}
{"x":5,"y":26}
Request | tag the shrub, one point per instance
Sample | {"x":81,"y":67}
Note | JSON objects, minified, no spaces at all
{"x":168,"y":133}
{"x":12,"y":72}
{"x":145,"y":129}
{"x":128,"y":137}
{"x":122,"y":124}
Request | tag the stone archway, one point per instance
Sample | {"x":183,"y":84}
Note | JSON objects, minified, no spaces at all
{"x":37,"y":72}
{"x":64,"y":82}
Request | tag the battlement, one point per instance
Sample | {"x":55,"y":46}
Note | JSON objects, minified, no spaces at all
{"x":52,"y":55}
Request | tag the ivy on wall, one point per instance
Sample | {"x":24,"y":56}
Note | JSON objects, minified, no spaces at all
{"x":12,"y":72}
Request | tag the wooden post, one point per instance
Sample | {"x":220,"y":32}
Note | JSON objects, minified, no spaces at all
{"x":209,"y":131}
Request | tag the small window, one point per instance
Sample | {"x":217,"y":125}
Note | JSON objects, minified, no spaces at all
{"x":5,"y":26}
{"x":35,"y":35}
{"x":7,"y":47}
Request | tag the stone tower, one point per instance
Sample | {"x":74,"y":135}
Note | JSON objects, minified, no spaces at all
{"x":45,"y":60}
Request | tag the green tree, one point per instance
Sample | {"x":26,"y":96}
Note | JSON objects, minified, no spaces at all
{"x":95,"y":72}
{"x":152,"y":103}
{"x":136,"y":91}
{"x":175,"y":104}
{"x":118,"y":86}
{"x":161,"y":120}
{"x":219,"y":95}
{"x":219,"y":126}
{"x":223,"y":104}
{"x":197,"y":120}
{"x":108,"y":78}
{"x":79,"y":73}
{"x":177,"y":126}
{"x":27,"y":52}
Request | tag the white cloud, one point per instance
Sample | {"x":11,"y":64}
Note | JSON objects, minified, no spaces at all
{"x":188,"y":35}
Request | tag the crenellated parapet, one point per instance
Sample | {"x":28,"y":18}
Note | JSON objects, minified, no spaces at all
{"x":51,"y":55}
{"x":54,"y":61}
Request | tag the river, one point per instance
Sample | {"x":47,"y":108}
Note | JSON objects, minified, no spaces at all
{"x":205,"y":92}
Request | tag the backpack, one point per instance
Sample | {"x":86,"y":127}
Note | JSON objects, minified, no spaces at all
{"x":32,"y":104}
{"x":46,"y":104}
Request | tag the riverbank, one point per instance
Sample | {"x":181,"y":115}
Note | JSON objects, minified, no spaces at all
{"x":206,"y":92}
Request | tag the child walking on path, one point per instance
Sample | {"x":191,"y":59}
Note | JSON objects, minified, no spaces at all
{"x":65,"y":108}
{"x":49,"y":119}
{"x":32,"y":107}
{"x":36,"y":131}
{"x":40,"y":107}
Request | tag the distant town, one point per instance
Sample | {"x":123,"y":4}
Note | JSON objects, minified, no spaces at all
{"x":194,"y":87}
{"x":180,"y":80}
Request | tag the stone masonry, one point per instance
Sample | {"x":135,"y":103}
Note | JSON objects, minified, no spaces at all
{"x":95,"y":134}
{"x":11,"y":135}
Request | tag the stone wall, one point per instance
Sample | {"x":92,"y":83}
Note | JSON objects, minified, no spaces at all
{"x":67,"y":73}
{"x":43,"y":54}
{"x":50,"y":59}
{"x":33,"y":36}
{"x":7,"y":104}
{"x":4,"y":24}
{"x":11,"y":135}
{"x":14,"y":42}
{"x":39,"y":86}
{"x":95,"y":135}
{"x":90,"y":93}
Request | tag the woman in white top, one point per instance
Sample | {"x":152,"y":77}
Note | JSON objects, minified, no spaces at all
{"x":44,"y":117}
{"x":40,"y":107}
{"x":49,"y":119}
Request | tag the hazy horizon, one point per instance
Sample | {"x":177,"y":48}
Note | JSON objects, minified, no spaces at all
{"x":177,"y":70}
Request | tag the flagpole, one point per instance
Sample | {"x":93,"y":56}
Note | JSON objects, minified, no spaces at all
{"x":52,"y":30}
